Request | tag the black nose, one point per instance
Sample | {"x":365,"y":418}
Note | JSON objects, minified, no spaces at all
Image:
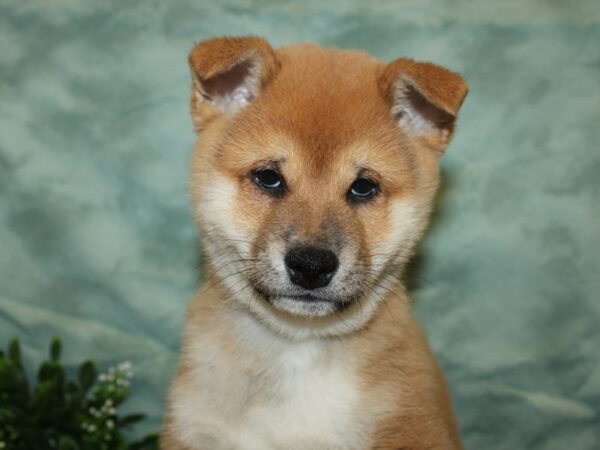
{"x":311,"y":267}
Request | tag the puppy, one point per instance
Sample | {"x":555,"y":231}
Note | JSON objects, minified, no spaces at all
{"x":312,"y":180}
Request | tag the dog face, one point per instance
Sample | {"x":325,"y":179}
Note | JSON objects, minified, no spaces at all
{"x":314,"y":174}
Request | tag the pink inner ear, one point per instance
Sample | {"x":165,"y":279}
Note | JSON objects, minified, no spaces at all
{"x":418,"y":104}
{"x":233,"y":89}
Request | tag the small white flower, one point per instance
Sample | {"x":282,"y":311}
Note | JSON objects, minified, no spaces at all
{"x":92,"y":428}
{"x":123,"y":383}
{"x":112,"y":411}
{"x":110,"y":424}
{"x":2,"y":444}
{"x":125,"y":366}
{"x":102,"y":377}
{"x":108,"y":402}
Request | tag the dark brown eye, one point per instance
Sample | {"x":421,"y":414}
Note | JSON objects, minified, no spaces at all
{"x":269,"y":181}
{"x":362,"y":190}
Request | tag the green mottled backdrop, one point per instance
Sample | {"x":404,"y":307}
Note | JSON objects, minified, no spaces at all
{"x":97,"y":244}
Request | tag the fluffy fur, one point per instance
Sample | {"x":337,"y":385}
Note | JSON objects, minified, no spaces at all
{"x":349,"y":369}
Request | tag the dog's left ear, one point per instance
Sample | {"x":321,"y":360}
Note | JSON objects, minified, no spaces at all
{"x":424,"y":99}
{"x":227,"y":74}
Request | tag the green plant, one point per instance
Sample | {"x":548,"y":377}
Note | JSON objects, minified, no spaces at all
{"x":58,"y":413}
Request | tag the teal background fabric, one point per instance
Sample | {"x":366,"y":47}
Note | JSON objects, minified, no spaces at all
{"x":97,"y":244}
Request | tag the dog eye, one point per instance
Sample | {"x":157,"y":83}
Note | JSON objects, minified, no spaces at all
{"x":269,"y":181}
{"x":362,"y":190}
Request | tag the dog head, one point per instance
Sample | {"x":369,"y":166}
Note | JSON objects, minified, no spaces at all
{"x":314,"y":174}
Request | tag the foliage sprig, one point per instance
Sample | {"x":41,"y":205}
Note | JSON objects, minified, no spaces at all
{"x":62,"y":414}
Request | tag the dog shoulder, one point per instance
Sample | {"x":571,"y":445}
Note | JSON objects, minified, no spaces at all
{"x":414,"y":410}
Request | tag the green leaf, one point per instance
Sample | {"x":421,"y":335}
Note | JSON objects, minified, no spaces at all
{"x":67,"y":443}
{"x":55,"y":349}
{"x":150,"y":442}
{"x":6,"y":415}
{"x":44,"y":397}
{"x":45,"y":372}
{"x":14,"y":352}
{"x":51,"y":371}
{"x":71,"y":388}
{"x":3,"y":368}
{"x":130,"y":420}
{"x":87,"y":376}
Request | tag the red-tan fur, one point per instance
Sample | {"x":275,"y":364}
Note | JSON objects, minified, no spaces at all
{"x":322,"y":112}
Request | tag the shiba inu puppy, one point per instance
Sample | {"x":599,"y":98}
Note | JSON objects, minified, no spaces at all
{"x":312,"y":180}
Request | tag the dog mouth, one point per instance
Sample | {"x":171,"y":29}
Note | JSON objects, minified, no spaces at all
{"x":304,"y":298}
{"x":305,"y":303}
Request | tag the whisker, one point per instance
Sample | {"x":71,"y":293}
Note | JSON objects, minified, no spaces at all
{"x":245,"y":242}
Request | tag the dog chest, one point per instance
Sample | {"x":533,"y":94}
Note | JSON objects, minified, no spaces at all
{"x":286,"y":398}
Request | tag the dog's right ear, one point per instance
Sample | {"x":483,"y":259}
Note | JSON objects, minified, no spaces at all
{"x":228,"y":73}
